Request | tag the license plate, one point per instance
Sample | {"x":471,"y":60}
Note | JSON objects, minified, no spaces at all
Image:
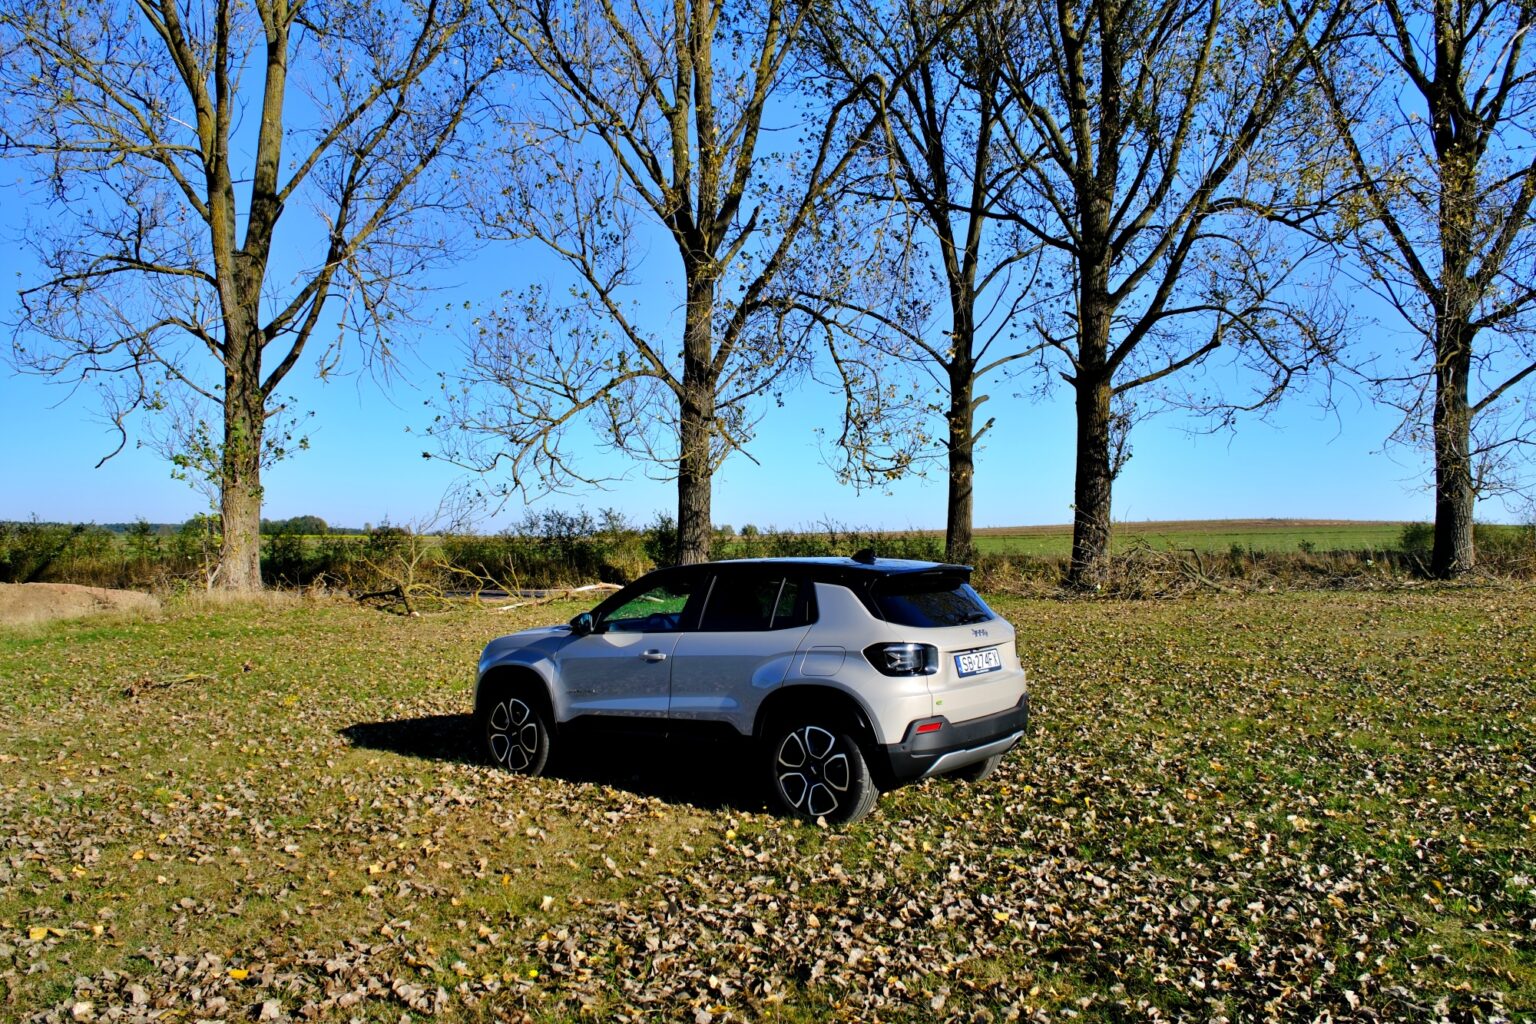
{"x":973,"y":663}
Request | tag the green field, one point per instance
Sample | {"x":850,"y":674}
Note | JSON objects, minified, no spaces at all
{"x":1215,"y":535}
{"x":1277,"y":807}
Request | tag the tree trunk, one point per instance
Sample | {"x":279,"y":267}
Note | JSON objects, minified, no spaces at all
{"x":240,"y":478}
{"x":1092,"y":490}
{"x":1455,"y":496}
{"x":962,"y":462}
{"x":694,"y":529}
{"x":1094,"y":376}
{"x":1455,"y":147}
{"x":696,"y":425}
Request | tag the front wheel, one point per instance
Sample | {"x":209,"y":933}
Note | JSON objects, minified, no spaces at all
{"x":518,"y":733}
{"x":818,"y":771}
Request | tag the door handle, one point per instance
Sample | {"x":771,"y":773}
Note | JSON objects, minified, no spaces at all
{"x":654,"y":656}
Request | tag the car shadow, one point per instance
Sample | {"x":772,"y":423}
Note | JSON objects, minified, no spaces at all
{"x":706,"y":773}
{"x":430,"y":737}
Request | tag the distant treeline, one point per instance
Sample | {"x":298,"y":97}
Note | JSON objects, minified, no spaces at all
{"x":311,"y":525}
{"x":556,"y":549}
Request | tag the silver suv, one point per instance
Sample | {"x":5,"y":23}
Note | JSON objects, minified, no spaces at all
{"x":851,"y":675}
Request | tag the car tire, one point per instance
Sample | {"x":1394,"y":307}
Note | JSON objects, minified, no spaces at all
{"x":978,"y":771}
{"x":517,"y":731}
{"x":817,"y":771}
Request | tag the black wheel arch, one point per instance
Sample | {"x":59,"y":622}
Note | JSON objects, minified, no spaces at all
{"x":808,"y":701}
{"x":519,"y":678}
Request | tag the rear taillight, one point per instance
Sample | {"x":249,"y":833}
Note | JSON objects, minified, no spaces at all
{"x":904,"y":659}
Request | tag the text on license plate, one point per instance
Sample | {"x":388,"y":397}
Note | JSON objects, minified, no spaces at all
{"x":976,"y":662}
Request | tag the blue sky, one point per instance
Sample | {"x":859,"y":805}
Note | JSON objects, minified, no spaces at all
{"x":364,"y":467}
{"x":364,"y":463}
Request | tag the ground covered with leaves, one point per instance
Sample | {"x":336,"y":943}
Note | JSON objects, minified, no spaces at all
{"x":1293,"y":807}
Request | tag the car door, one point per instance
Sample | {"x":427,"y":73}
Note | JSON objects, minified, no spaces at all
{"x":749,"y":629}
{"x":624,"y":667}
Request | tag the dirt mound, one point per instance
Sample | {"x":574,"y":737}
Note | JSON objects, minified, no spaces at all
{"x":42,"y":602}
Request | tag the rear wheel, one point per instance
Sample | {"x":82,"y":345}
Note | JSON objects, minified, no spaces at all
{"x":818,"y":771}
{"x":517,"y":731}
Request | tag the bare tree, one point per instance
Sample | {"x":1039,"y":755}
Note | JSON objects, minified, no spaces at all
{"x":645,"y":126}
{"x":165,"y":272}
{"x":1436,"y":105}
{"x":1162,"y":142}
{"x":946,"y":134}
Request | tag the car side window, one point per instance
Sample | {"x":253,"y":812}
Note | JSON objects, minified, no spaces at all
{"x":659,"y":609}
{"x":753,"y":604}
{"x":796,"y":607}
{"x":784,"y":609}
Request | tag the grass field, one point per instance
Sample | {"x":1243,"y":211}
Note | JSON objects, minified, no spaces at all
{"x":1283,"y":807}
{"x":1278,"y":535}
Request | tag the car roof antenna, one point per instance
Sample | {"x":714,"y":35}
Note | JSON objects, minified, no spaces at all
{"x":865,"y":556}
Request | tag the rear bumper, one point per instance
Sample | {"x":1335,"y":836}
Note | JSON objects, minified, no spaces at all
{"x":953,"y":745}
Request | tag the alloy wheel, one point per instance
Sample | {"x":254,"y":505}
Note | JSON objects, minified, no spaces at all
{"x":513,"y":735}
{"x":813,"y":771}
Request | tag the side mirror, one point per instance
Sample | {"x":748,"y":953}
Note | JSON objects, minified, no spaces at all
{"x":583,"y":625}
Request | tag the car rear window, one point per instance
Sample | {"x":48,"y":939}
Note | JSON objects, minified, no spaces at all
{"x":924,"y":600}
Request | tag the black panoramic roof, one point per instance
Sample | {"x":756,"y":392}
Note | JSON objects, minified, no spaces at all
{"x":830,"y":568}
